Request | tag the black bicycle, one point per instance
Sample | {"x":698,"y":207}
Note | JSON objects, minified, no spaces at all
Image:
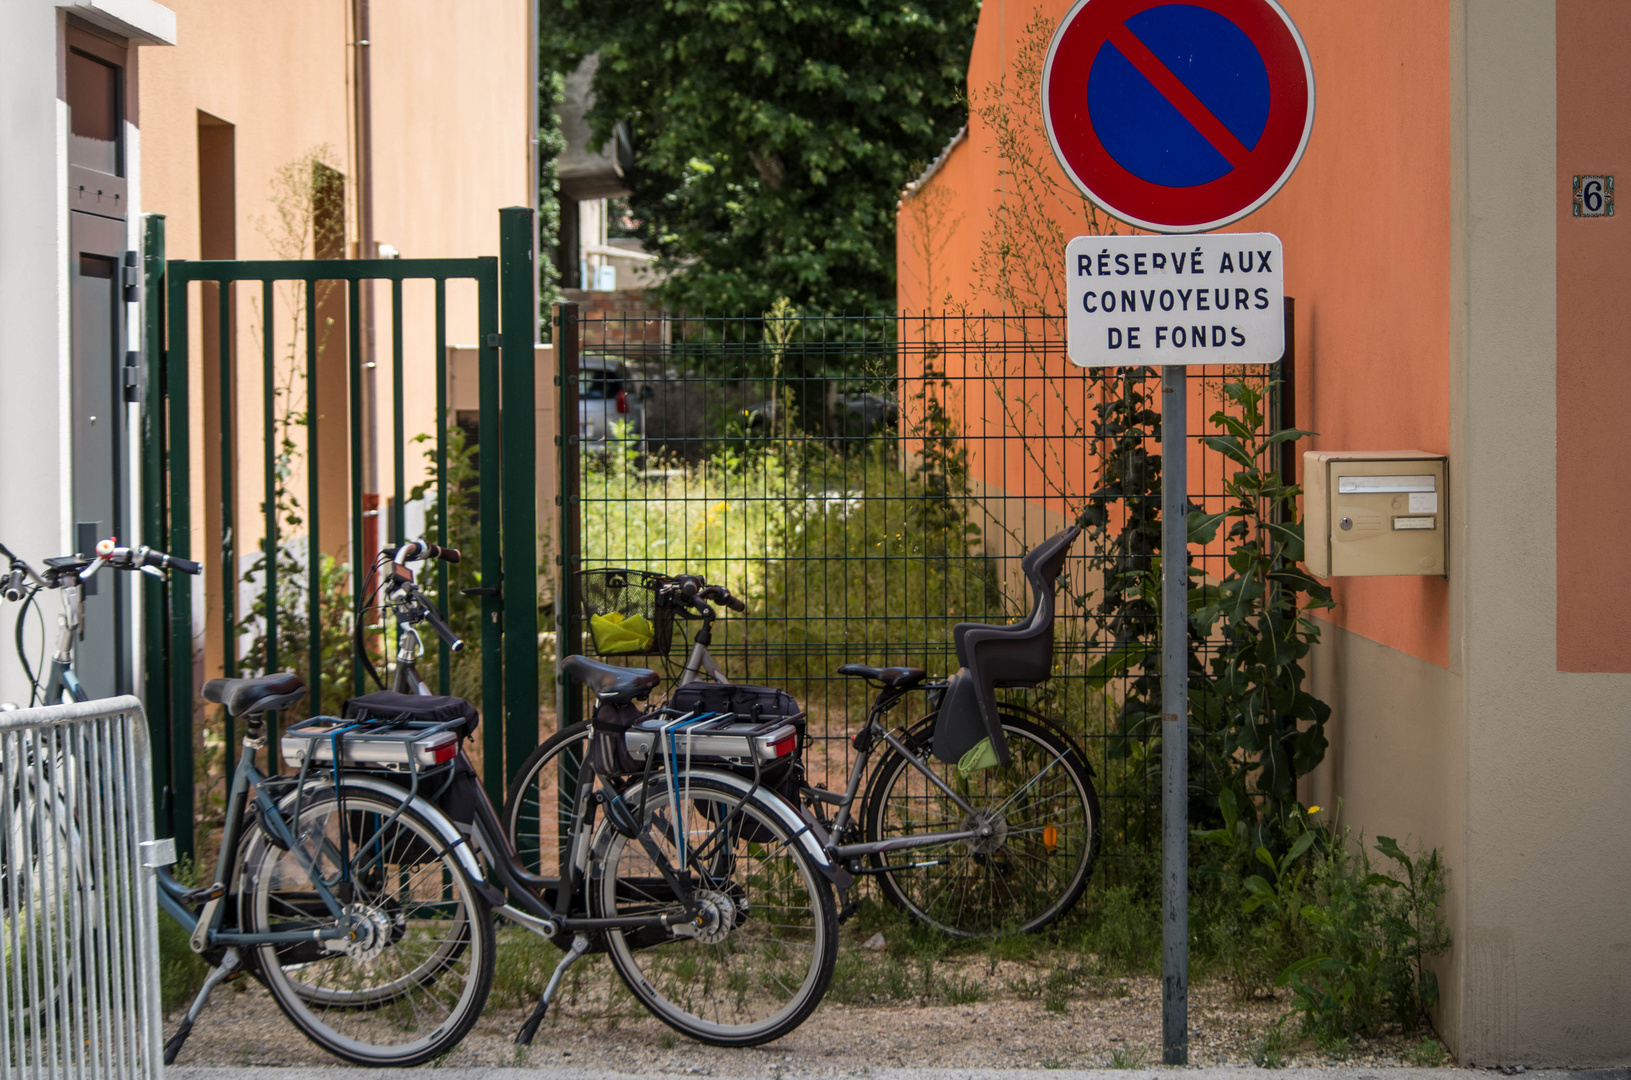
{"x":979,"y":817}
{"x":708,"y":893}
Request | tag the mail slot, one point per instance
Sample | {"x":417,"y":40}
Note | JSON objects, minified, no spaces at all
{"x":1374,"y":513}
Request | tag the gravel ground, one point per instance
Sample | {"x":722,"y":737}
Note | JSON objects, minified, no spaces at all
{"x":1104,"y":1022}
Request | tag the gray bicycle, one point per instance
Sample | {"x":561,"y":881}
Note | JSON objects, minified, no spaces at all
{"x":978,"y":817}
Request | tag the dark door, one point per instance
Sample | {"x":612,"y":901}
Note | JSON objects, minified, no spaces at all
{"x":97,"y":305}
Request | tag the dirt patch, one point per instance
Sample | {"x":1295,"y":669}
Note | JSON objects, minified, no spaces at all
{"x":1011,"y":1016}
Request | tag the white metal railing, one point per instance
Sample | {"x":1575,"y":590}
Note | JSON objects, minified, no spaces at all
{"x":79,"y":989}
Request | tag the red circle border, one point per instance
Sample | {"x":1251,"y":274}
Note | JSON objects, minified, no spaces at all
{"x":1154,"y":206}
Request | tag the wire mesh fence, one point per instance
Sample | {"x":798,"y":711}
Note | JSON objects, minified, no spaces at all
{"x":866,"y":483}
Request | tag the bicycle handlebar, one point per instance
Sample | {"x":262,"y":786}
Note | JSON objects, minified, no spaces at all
{"x":443,"y":631}
{"x":142,"y":558}
{"x":414,"y":550}
{"x":691,"y":587}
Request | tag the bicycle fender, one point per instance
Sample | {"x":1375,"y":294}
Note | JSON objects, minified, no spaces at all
{"x":785,"y":811}
{"x":456,"y":841}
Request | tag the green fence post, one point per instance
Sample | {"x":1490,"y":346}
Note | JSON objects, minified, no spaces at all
{"x":517,"y":280}
{"x":568,"y":611}
{"x":492,"y":557}
{"x":155,"y":672}
{"x":181,"y":585}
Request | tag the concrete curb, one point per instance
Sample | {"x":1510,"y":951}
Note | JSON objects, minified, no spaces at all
{"x":555,"y":1072}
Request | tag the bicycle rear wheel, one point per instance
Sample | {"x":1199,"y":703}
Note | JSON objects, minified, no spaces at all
{"x":1044,"y":817}
{"x":763,"y":956}
{"x":413,"y":982}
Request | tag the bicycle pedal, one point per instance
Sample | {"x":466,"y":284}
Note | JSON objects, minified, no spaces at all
{"x":848,"y":911}
{"x":204,"y":895}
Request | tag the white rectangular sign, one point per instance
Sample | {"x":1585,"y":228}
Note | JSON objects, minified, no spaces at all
{"x":1136,"y":301}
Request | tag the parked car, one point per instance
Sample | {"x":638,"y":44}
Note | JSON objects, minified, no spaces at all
{"x":853,"y":415}
{"x":607,"y":397}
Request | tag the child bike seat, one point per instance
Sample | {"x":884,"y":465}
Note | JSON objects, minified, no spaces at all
{"x":1019,"y":654}
{"x":251,"y":697}
{"x":611,"y":684}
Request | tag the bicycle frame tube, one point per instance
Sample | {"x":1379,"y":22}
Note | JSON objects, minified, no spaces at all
{"x":248,"y":778}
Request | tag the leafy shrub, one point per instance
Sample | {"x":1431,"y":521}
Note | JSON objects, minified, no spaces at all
{"x":1374,"y":932}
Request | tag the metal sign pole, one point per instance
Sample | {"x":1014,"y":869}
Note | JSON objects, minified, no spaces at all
{"x":1174,"y":717}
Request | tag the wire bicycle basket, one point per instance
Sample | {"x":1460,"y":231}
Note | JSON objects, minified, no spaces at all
{"x":623,"y":614}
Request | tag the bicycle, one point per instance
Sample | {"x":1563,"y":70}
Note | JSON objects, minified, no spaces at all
{"x":43,"y":773}
{"x":709,"y":896}
{"x":946,"y":787}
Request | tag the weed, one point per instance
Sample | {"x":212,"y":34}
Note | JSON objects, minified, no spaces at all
{"x":1429,"y":1053}
{"x":517,"y":977}
{"x":1272,"y":1050}
{"x":1124,"y":1057}
{"x":667,"y":1040}
{"x":181,"y":971}
{"x":961,"y":991}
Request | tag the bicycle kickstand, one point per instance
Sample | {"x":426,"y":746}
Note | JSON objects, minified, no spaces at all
{"x":172,"y":1046}
{"x":580,"y":945}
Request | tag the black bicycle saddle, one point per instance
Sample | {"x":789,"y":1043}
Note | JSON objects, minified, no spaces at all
{"x":895,"y":678}
{"x":266,"y":693}
{"x":611,"y":683}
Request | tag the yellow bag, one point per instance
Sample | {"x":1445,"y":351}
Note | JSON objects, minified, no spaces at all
{"x":616,"y":635}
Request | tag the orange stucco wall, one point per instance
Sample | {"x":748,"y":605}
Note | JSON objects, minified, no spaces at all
{"x":1366,"y":226}
{"x":1593,"y":341}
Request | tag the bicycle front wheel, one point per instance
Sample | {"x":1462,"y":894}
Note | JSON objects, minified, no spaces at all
{"x":413,"y":980}
{"x":538,"y":807}
{"x":762,"y":956}
{"x":1041,"y":814}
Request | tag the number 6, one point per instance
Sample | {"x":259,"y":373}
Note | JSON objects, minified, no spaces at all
{"x":1591,"y":195}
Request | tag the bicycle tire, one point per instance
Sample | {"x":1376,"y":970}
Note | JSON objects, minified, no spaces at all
{"x":775,"y":924}
{"x":1031,"y":872}
{"x":534,"y":801}
{"x":369,"y":1004}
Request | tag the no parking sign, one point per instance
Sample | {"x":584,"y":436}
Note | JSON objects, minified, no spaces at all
{"x":1178,"y":117}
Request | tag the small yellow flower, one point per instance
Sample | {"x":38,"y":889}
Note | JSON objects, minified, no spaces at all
{"x":1313,"y":809}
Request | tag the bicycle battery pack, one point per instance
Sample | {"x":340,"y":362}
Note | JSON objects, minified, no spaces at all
{"x":386,"y":746}
{"x":712,"y":737}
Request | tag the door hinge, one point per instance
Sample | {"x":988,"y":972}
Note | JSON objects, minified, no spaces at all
{"x":132,"y":277}
{"x":133,"y":376}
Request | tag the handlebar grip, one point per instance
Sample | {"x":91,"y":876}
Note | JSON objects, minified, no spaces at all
{"x":171,"y":562}
{"x":443,"y":631}
{"x":733,"y":603}
{"x":447,"y":554}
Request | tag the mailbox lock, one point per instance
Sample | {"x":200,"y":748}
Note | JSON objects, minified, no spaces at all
{"x":1345,"y":524}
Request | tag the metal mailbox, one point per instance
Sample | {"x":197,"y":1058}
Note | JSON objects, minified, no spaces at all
{"x":1374,"y":513}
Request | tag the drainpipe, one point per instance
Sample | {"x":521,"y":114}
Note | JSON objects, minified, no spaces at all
{"x":535,"y":199}
{"x":363,"y":105}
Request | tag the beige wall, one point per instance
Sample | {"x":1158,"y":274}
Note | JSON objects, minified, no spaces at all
{"x":1547,"y":937}
{"x":451,"y":124}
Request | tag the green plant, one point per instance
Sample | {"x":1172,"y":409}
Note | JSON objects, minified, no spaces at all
{"x":961,"y":991}
{"x":1125,"y":1057}
{"x":1272,"y":727}
{"x":1272,"y":1049}
{"x":1373,"y":933}
{"x":181,"y":971}
{"x":1429,"y":1053}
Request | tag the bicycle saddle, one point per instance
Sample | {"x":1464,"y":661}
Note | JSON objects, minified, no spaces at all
{"x":610,"y":683}
{"x":267,"y":693}
{"x":894,"y":678}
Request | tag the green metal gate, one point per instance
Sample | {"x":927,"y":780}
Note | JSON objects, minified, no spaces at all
{"x":505,"y":505}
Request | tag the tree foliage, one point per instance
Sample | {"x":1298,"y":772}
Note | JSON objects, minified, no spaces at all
{"x":772,"y":137}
